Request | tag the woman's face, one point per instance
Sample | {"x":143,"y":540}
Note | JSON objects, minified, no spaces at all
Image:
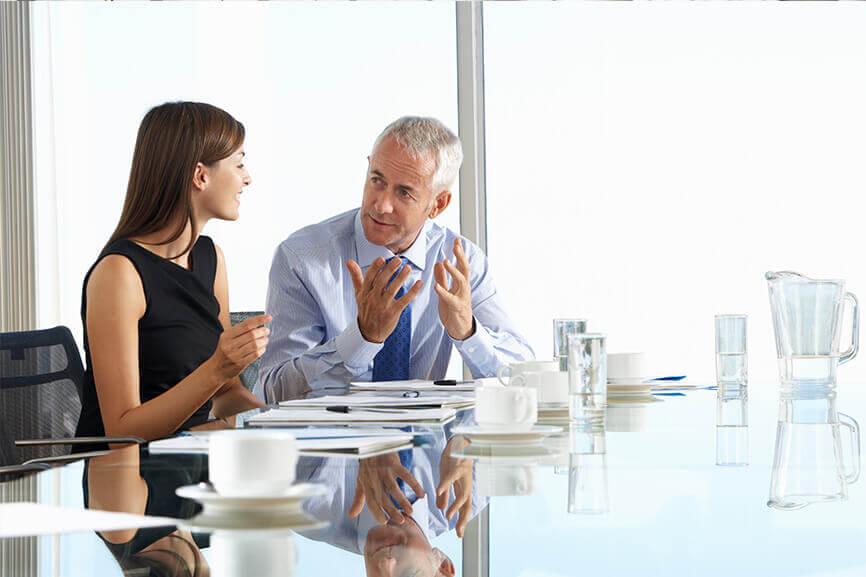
{"x":219,"y":194}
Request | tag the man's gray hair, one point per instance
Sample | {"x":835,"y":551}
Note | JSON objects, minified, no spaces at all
{"x":421,"y":135}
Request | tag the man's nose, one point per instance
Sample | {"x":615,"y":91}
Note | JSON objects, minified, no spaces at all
{"x":383,"y":204}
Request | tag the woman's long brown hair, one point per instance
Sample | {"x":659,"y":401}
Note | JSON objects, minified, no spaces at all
{"x":172,"y":139}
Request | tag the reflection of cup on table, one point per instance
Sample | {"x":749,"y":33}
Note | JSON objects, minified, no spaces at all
{"x":252,"y":463}
{"x":494,"y":479}
{"x":552,"y":386}
{"x":587,"y":484}
{"x":260,"y":553}
{"x":506,"y":408}
{"x":508,"y":372}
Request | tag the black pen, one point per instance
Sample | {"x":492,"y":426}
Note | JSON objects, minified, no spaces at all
{"x":451,"y":383}
{"x":347,"y":409}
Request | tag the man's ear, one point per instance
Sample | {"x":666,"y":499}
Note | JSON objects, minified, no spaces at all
{"x":199,"y":176}
{"x":446,"y":567}
{"x":440,"y":203}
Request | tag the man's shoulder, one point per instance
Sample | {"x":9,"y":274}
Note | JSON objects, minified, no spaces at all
{"x":443,"y":238}
{"x":313,"y":239}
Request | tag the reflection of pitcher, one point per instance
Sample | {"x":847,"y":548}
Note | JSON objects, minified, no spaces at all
{"x":806,"y":318}
{"x":809,"y":466}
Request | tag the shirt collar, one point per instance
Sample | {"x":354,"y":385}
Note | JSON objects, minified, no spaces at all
{"x":368,"y":252}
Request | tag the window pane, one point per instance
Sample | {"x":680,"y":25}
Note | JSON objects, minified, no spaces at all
{"x":647,"y":163}
{"x":314,"y":84}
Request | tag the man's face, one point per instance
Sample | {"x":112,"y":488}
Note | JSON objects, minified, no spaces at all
{"x":398,"y":197}
{"x":398,"y":550}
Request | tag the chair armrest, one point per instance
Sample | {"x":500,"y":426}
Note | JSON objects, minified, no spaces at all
{"x":65,"y":458}
{"x":12,"y":469}
{"x":78,"y":441}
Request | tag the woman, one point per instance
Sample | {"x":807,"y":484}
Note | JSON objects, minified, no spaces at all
{"x":161,"y":352}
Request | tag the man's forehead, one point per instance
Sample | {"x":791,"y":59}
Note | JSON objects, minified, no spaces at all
{"x":390,"y":159}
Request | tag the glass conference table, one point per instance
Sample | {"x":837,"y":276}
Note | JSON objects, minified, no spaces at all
{"x":680,"y":484}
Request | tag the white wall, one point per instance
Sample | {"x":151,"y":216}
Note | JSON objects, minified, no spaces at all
{"x":647,"y":163}
{"x":314,"y":84}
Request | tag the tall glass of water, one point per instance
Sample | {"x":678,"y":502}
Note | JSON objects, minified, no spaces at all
{"x":587,"y":377}
{"x":731,"y":360}
{"x":562,"y":329}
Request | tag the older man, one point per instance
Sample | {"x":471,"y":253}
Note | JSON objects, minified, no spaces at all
{"x":372,"y":294}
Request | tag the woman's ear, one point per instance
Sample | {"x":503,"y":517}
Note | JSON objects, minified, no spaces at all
{"x":199,"y":176}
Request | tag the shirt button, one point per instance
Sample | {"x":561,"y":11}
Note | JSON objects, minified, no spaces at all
{"x":471,"y":349}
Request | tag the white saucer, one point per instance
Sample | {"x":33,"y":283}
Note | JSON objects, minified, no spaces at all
{"x":288,"y":501}
{"x":629,"y":389}
{"x":243,"y":521}
{"x":488,"y":436}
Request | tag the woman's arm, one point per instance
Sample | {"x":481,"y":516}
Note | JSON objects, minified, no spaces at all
{"x":115,"y":304}
{"x":232,"y":398}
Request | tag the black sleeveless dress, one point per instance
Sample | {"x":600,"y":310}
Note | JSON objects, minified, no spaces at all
{"x":180,"y":328}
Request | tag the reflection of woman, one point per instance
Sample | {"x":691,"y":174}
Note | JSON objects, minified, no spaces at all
{"x":115,"y":482}
{"x":161,"y":352}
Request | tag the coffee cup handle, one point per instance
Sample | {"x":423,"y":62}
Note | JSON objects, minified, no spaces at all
{"x":854,"y":461}
{"x":500,"y":374}
{"x":523,"y":407}
{"x":855,"y":331}
{"x":518,"y":381}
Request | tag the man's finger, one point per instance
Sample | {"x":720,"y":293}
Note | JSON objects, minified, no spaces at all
{"x":356,"y":274}
{"x":386,"y":275}
{"x":443,"y":293}
{"x":372,"y":274}
{"x":410,"y":479}
{"x":357,"y":502}
{"x":397,"y":282}
{"x":410,"y":295}
{"x":458,"y":280}
{"x":462,"y":259}
{"x":397,"y":495}
{"x":440,"y":275}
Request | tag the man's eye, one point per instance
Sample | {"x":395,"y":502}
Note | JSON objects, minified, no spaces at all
{"x":375,"y":180}
{"x":240,"y":166}
{"x":404,"y":193}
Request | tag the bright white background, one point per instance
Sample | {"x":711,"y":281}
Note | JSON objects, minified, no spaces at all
{"x":314,"y":84}
{"x":647,"y":163}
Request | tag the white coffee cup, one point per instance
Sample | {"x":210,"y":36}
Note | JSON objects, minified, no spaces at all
{"x":514,"y":369}
{"x":552,"y":386}
{"x":500,"y":480}
{"x":626,"y":368}
{"x":507,"y":408}
{"x":245,"y":463}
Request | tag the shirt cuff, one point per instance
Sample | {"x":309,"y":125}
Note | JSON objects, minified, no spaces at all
{"x":478,"y":352}
{"x":356,"y":352}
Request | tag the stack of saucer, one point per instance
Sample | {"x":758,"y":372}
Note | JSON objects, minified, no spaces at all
{"x":627,"y":375}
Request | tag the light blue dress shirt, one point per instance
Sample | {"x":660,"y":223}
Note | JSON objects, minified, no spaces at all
{"x":315,"y":340}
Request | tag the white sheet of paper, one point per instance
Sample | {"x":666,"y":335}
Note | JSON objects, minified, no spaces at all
{"x":453,"y":401}
{"x":291,"y":416}
{"x":30,"y":519}
{"x":328,"y":440}
{"x":413,"y":385}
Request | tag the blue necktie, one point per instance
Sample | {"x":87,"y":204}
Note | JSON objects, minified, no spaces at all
{"x":392,"y":362}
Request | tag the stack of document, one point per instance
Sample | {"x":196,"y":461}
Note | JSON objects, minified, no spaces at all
{"x":413,"y":385}
{"x":322,"y":441}
{"x":422,"y":401}
{"x":317,"y":415}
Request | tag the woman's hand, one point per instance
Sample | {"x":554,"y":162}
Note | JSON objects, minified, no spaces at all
{"x":240,"y":345}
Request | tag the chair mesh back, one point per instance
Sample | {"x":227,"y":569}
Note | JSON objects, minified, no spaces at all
{"x":250,"y":375}
{"x":40,"y":387}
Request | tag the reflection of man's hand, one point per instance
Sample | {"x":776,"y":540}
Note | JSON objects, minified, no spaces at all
{"x":456,"y":472}
{"x":377,"y":484}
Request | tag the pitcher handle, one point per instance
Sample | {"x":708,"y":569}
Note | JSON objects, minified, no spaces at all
{"x":854,"y":429}
{"x":855,"y":331}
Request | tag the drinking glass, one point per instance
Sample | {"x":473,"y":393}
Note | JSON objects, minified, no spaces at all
{"x":731,"y":359}
{"x":587,"y":377}
{"x":562,"y":329}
